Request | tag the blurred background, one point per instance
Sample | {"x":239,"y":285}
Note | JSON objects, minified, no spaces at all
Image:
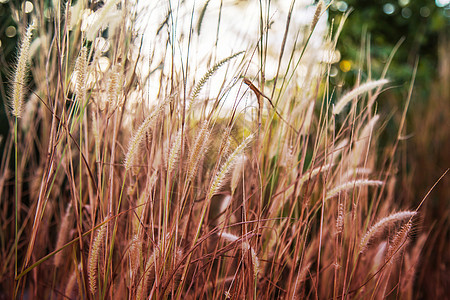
{"x":373,"y":30}
{"x":370,"y":34}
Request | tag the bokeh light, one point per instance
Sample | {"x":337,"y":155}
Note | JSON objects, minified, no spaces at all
{"x":28,"y":7}
{"x":447,"y":12}
{"x":103,"y":64}
{"x":389,"y":8}
{"x":10,"y":31}
{"x":342,"y":6}
{"x":333,"y":71}
{"x":425,"y":12}
{"x":345,"y":66}
{"x":406,"y":12}
{"x":442,"y":3}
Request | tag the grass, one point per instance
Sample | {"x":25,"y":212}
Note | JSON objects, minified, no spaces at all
{"x":198,"y":193}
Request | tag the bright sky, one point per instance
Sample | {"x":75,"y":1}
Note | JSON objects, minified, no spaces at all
{"x":239,"y":30}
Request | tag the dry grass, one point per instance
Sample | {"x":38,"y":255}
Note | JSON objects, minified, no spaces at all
{"x":274,"y":197}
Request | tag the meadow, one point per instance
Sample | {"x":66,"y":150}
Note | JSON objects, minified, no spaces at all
{"x":131,"y":173}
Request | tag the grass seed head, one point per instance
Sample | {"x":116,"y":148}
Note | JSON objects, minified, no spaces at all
{"x":368,"y":86}
{"x":20,"y":73}
{"x":94,"y":254}
{"x":382,"y":224}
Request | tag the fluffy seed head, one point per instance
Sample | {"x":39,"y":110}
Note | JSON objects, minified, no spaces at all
{"x":352,"y":184}
{"x":356,"y":92}
{"x":139,"y":135}
{"x":208,"y":74}
{"x":174,"y":153}
{"x":20,"y":70}
{"x":340,"y":219}
{"x":93,"y":258}
{"x":113,"y":87}
{"x":317,"y":14}
{"x":227,"y":167}
{"x":135,"y":254}
{"x":81,"y":70}
{"x":383,"y":223}
{"x":237,"y":172}
{"x":198,"y":150}
{"x":63,"y":234}
{"x":399,"y":241}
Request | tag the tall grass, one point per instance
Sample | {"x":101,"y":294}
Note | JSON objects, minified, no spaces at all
{"x":266,"y":187}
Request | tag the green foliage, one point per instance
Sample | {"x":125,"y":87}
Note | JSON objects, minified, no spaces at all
{"x":421,"y":23}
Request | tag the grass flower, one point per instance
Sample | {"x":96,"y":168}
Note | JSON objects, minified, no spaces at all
{"x":94,"y":254}
{"x":226,"y":197}
{"x":20,"y":73}
{"x":227,"y":166}
{"x":139,"y":135}
{"x":382,"y":224}
{"x":366,"y":87}
{"x":350,"y":185}
{"x":198,"y":150}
